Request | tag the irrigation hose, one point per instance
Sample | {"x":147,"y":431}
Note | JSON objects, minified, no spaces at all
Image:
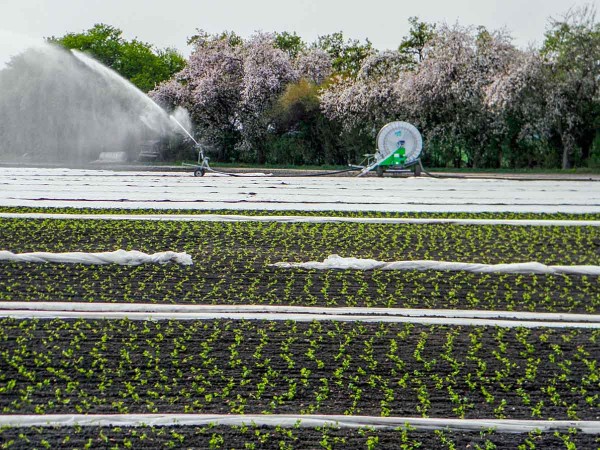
{"x":323,"y":174}
{"x":487,"y":177}
{"x":355,"y":169}
{"x":336,"y":172}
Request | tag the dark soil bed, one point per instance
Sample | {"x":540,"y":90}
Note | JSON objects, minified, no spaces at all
{"x":253,"y":212}
{"x":195,"y":285}
{"x":251,"y":245}
{"x":262,"y":438}
{"x":90,"y":366}
{"x":231,"y":264}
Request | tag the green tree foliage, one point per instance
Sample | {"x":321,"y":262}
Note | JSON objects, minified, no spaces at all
{"x":571,"y":52}
{"x":229,"y":88}
{"x":478,"y":100}
{"x":347,"y":55}
{"x":290,"y":43}
{"x":419,"y":35}
{"x":137,"y":61}
{"x":303,"y":134}
{"x":203,"y":38}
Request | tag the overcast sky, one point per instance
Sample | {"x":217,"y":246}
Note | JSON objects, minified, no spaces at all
{"x":167,"y":23}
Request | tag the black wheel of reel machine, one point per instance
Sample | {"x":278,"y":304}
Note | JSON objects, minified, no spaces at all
{"x":199,"y":172}
{"x":418,"y":170}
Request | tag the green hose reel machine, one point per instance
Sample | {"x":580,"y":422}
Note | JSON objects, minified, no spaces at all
{"x":399,"y":146}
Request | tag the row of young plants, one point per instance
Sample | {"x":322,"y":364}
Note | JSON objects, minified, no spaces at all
{"x":223,"y":366}
{"x":252,"y":244}
{"x":254,"y":437}
{"x":272,"y":286}
{"x":366,"y":214}
{"x":231,"y":264}
{"x":81,"y":366}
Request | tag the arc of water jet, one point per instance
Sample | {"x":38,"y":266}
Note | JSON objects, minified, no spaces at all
{"x":198,"y":147}
{"x":98,"y":67}
{"x":184,"y":129}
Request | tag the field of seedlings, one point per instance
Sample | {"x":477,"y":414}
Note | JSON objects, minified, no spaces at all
{"x":232,"y":264}
{"x":238,"y":351}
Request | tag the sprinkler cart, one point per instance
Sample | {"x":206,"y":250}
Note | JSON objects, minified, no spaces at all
{"x":399,"y":146}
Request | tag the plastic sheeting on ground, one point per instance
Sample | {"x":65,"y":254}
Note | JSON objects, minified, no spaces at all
{"x":301,"y":219}
{"x":292,"y":420}
{"x":285,"y":309}
{"x":121,"y":257}
{"x":338,"y":262}
{"x":105,"y":189}
{"x":297,"y":317}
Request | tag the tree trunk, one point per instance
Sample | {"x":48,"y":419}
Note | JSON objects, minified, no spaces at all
{"x":568,"y":147}
{"x":500,"y":155}
{"x":261,"y":154}
{"x":586,"y":142}
{"x":565,"y":158}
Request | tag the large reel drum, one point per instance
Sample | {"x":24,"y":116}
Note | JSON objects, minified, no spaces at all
{"x":399,"y":145}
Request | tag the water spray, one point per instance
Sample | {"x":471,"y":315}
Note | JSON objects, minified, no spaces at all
{"x":185,"y":131}
{"x":109,"y":74}
{"x":64,"y":107}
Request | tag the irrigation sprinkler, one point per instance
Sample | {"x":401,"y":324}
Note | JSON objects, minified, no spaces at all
{"x":202,"y":165}
{"x":399,"y":146}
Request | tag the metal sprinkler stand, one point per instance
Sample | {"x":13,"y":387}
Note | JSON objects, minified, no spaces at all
{"x":202,"y":166}
{"x":202,"y":163}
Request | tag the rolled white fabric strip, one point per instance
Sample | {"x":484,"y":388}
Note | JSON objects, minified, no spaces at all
{"x":298,"y":420}
{"x":338,"y":262}
{"x":142,"y":311}
{"x":121,"y":257}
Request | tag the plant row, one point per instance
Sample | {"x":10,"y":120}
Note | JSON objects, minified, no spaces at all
{"x":231,"y":264}
{"x":271,"y":286}
{"x":361,"y":214}
{"x":251,"y":245}
{"x":253,"y":437}
{"x":223,"y":366}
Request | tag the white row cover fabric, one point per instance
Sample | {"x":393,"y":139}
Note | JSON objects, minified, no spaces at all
{"x":338,"y":262}
{"x":283,"y":310}
{"x":298,"y":317}
{"x":301,"y":219}
{"x":165,"y":190}
{"x":121,"y":257}
{"x":293,"y":420}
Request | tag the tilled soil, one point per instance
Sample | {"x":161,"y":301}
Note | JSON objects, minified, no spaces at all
{"x":232,"y":264}
{"x":224,"y":366}
{"x":263,"y":438}
{"x":236,"y":285}
{"x":252,"y":244}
